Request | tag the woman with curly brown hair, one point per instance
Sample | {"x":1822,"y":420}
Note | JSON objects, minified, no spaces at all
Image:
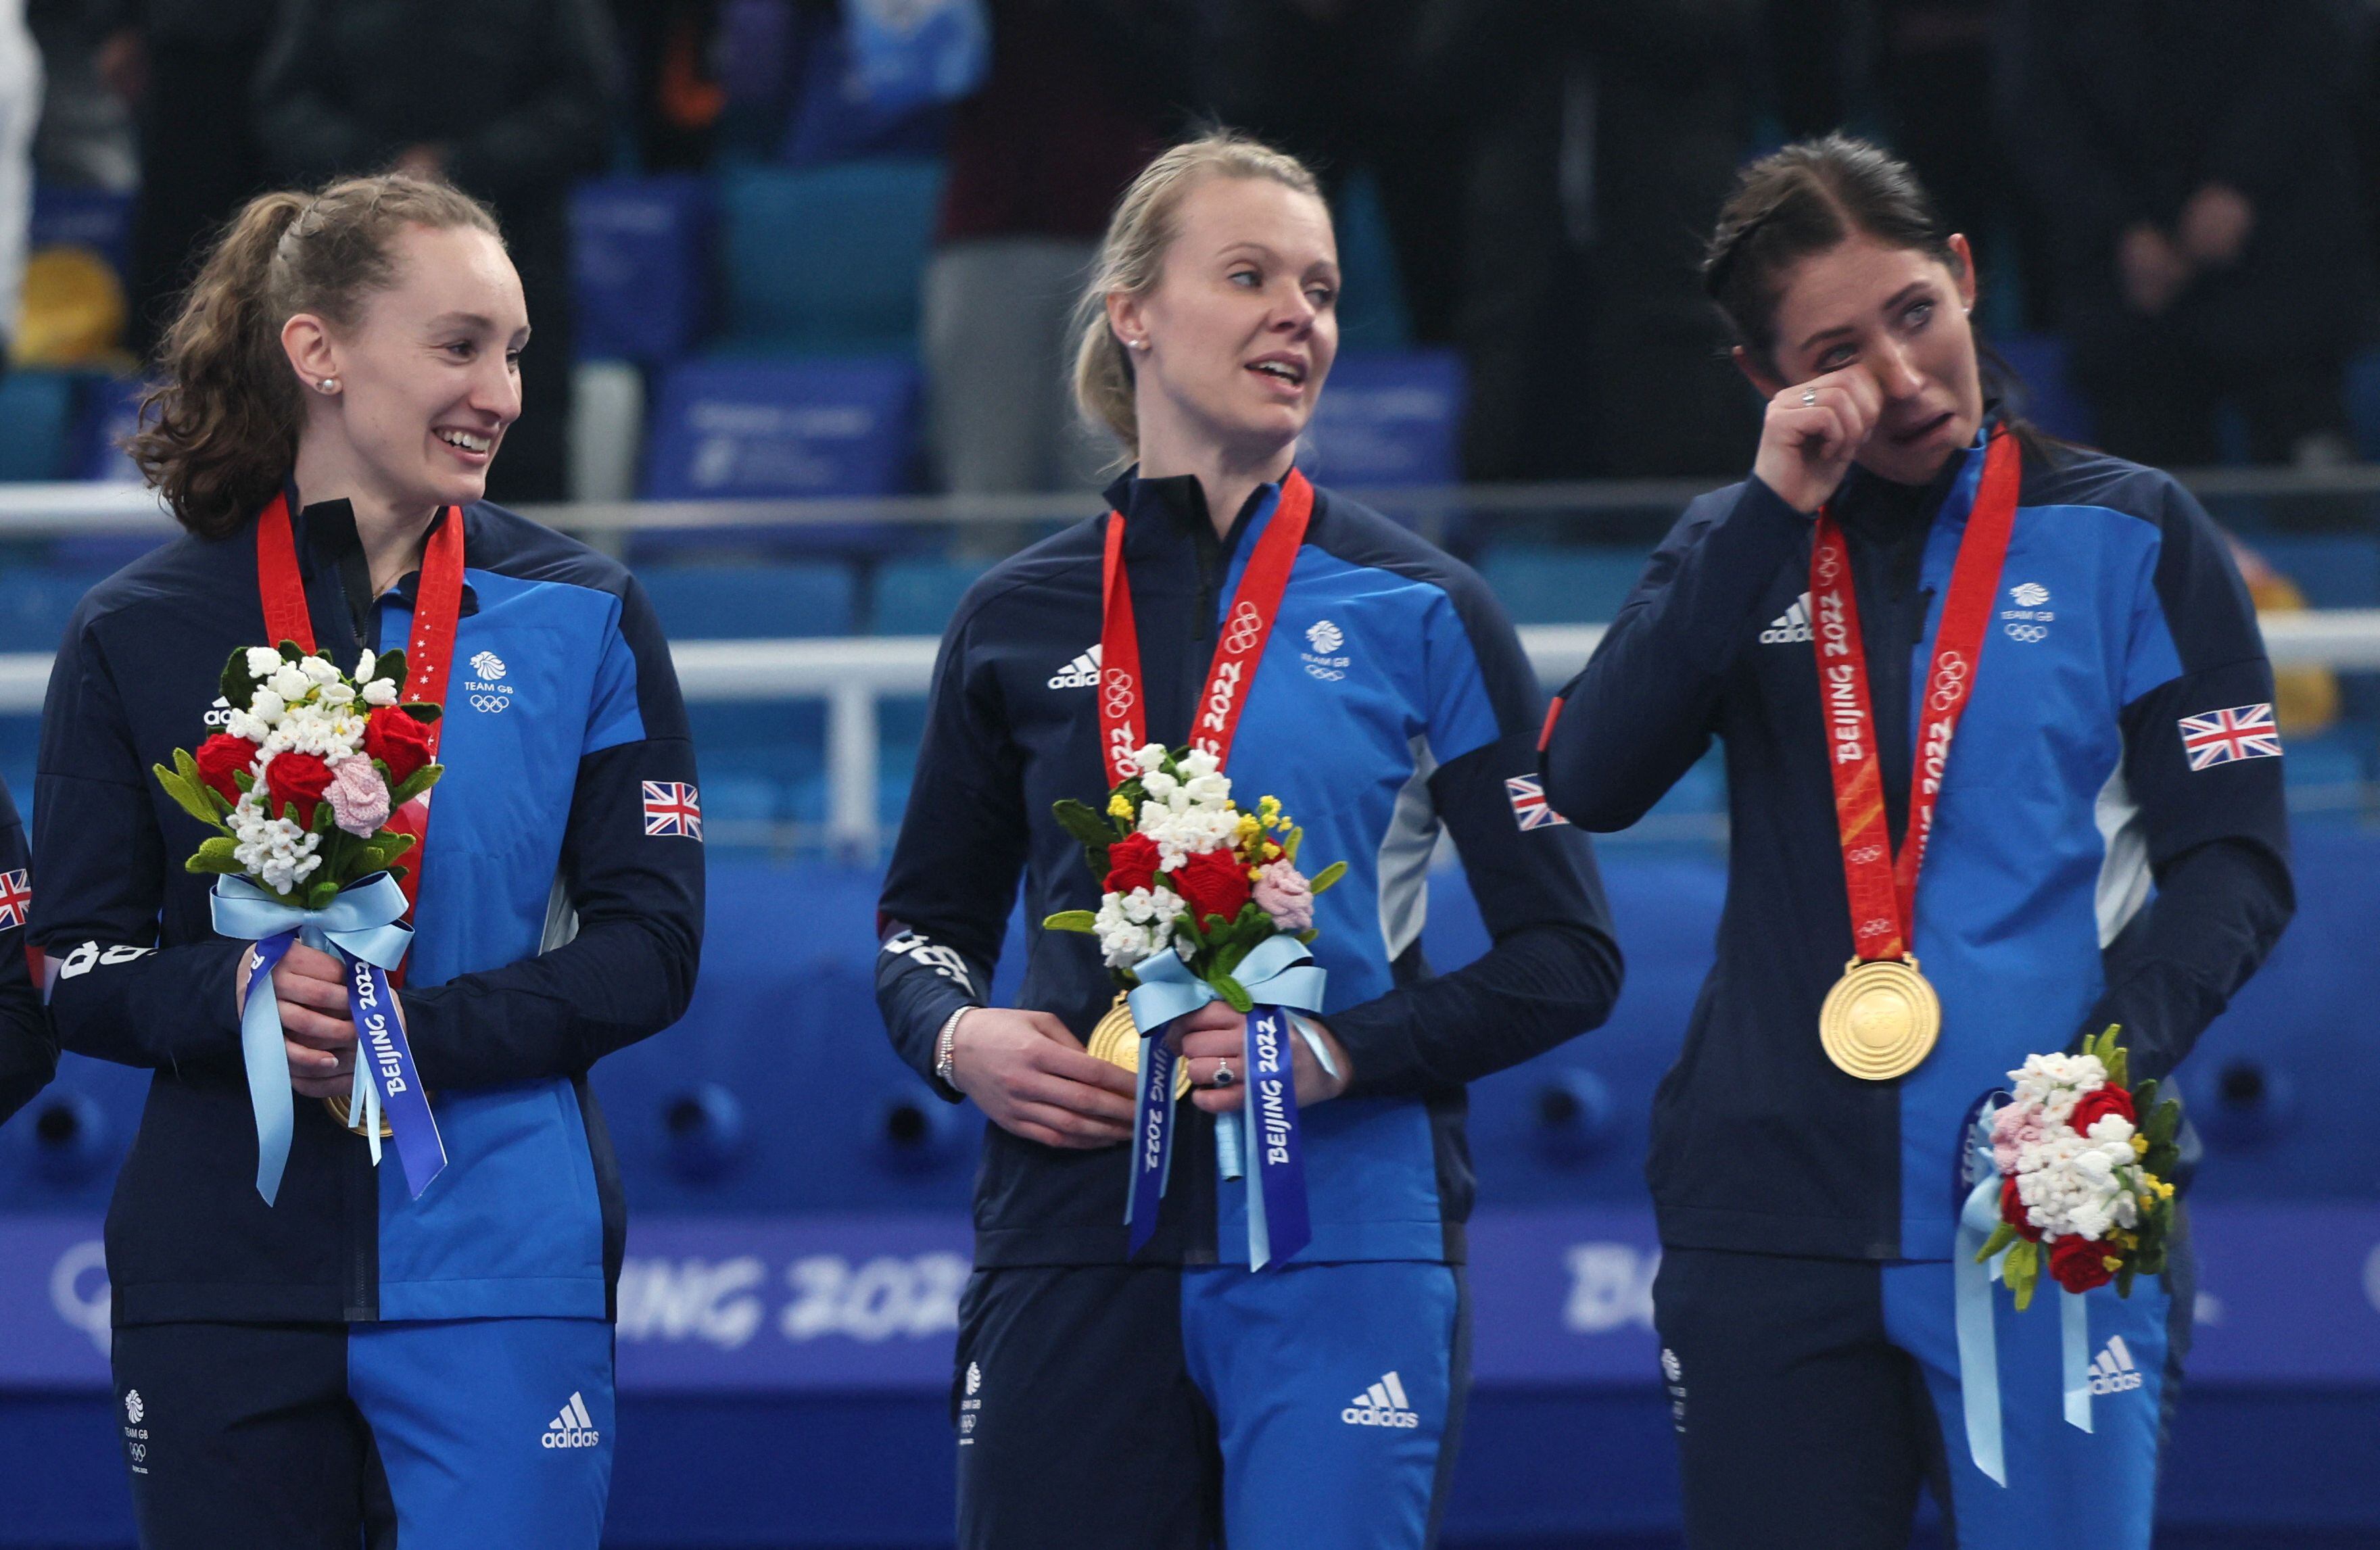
{"x":308,"y":1350}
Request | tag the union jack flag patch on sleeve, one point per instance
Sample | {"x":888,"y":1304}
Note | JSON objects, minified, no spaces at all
{"x":1529,"y":809}
{"x":671,"y":808}
{"x":16,"y":899}
{"x":2244,"y":732}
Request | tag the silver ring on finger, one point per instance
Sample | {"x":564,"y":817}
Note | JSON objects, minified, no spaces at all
{"x":1223,"y":1077}
{"x":1809,"y":398}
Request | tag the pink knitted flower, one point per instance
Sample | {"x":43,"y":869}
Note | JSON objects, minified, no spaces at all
{"x":2015,"y":1125}
{"x":1282,"y":893}
{"x":358,"y":797}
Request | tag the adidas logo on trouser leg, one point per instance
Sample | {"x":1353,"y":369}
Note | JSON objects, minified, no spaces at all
{"x":573,"y":1427}
{"x":1383,"y":1404}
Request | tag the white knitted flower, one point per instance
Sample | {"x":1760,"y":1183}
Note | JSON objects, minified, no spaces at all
{"x":263,"y":662}
{"x":1135,"y":926}
{"x":381,"y":691}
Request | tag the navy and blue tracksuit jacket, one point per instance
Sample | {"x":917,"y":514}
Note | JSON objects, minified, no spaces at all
{"x":562,"y":713}
{"x":2087,"y":868}
{"x":29,"y":1047}
{"x":1392,"y":705}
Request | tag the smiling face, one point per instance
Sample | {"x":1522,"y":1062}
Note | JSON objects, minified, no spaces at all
{"x":1898,"y":315}
{"x":1242,"y":323}
{"x":427,"y":376}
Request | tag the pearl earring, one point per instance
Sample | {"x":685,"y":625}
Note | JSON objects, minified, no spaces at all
{"x":1140,"y":344}
{"x":328,"y":385}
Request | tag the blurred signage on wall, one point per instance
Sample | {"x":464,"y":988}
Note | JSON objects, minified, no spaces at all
{"x":1562,"y":1298}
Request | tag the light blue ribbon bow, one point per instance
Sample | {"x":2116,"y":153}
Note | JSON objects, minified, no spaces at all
{"x":1277,"y":972}
{"x":1979,"y":1368}
{"x":366,"y":921}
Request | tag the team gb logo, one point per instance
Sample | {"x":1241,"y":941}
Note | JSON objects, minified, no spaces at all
{"x":487,"y":664}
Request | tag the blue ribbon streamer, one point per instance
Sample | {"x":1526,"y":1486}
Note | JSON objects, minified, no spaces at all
{"x":1278,"y":976}
{"x":2074,"y":1342}
{"x":363,"y":927}
{"x":1979,"y":1370}
{"x":1979,"y":1361}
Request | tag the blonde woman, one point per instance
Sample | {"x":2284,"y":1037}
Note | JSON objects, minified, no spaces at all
{"x":1176,"y":1398}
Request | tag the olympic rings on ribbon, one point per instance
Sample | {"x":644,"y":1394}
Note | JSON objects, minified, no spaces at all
{"x":1117,"y":686}
{"x":1247,"y":628}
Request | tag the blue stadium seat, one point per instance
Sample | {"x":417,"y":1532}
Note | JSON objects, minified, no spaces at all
{"x":34,"y":605}
{"x":782,"y":430}
{"x":757,"y":758}
{"x":639,"y":269}
{"x":110,"y":412}
{"x":1390,"y":419}
{"x":1543,"y":585}
{"x":2051,"y":399}
{"x":825,"y":258}
{"x":750,"y":602}
{"x":36,"y":411}
{"x":64,"y":216}
{"x":918,"y":597}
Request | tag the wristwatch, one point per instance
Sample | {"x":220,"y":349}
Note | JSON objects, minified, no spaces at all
{"x":946,"y":1048}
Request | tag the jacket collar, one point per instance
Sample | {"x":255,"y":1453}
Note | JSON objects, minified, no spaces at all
{"x":1160,"y":513}
{"x":327,"y":541}
{"x":1874,"y":504}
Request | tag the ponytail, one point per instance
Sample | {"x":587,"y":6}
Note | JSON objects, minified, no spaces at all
{"x":220,"y":434}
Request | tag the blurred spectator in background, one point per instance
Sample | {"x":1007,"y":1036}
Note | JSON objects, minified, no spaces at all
{"x":1938,"y":79}
{"x":510,"y":100}
{"x":2195,"y":163}
{"x":183,"y":67}
{"x":1544,"y":170}
{"x":85,"y":140}
{"x":21,"y":112}
{"x":1815,"y":55}
{"x":674,"y":92}
{"x":1081,"y":94}
{"x":1658,"y":120}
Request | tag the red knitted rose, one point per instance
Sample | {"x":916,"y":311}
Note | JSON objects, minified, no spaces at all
{"x":1132,"y":863}
{"x":2078,"y":1264}
{"x":298,"y":779}
{"x":1214,"y":883}
{"x":2012,"y":1211}
{"x":2097,"y":1104}
{"x":220,"y":757}
{"x":397,"y":741}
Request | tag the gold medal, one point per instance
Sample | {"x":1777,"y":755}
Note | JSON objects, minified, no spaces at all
{"x":1117,"y":1042}
{"x":338,"y":1107}
{"x":1880,"y":1020}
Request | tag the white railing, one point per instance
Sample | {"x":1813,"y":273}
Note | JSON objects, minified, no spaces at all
{"x":37,"y":510}
{"x":851,"y":675}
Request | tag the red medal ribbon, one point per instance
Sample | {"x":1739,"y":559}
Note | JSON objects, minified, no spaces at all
{"x":1884,"y":892}
{"x":429,"y":654}
{"x":1123,"y":717}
